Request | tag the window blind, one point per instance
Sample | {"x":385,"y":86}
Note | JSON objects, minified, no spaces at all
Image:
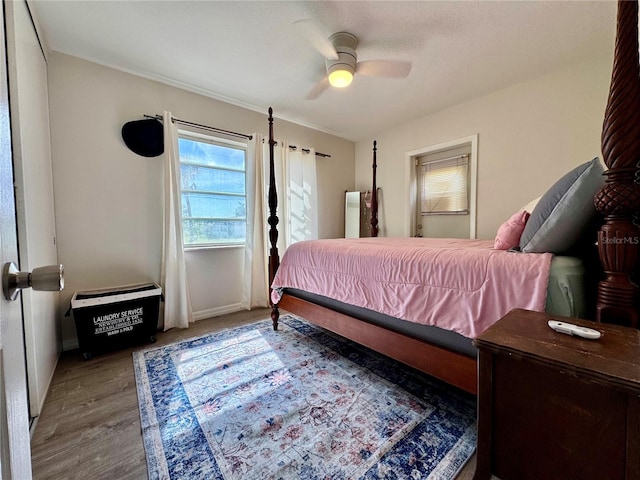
{"x":444,"y":186}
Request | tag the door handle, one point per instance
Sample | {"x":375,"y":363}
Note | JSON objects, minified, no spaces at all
{"x":49,"y":278}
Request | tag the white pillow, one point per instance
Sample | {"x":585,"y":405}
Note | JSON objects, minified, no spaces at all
{"x":531,"y":205}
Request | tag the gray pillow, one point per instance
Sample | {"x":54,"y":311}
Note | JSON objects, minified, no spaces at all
{"x":564,"y":212}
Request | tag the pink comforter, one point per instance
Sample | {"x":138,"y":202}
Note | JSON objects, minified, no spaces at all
{"x":459,"y":285}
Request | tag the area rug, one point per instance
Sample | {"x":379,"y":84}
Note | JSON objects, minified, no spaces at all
{"x":299,"y":403}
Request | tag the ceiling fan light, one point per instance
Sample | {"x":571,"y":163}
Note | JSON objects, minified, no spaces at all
{"x":340,"y":78}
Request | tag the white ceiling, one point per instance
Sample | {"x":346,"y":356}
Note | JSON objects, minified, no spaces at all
{"x":248,"y":53}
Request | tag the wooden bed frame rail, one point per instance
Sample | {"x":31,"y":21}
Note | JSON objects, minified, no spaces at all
{"x":451,"y":367}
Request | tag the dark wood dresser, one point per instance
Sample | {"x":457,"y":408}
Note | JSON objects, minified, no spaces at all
{"x":555,"y":406}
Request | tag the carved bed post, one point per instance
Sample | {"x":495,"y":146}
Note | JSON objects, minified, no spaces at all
{"x":274,"y":258}
{"x":374,"y":195}
{"x":619,"y":199}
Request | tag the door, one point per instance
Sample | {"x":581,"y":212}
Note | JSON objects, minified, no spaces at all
{"x":15,"y":455}
{"x":431,"y":224}
{"x":33,"y":182}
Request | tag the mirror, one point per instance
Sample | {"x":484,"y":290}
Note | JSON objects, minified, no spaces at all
{"x":352,"y":215}
{"x":357,"y":214}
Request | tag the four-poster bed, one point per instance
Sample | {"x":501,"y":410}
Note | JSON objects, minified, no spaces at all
{"x":446,"y":354}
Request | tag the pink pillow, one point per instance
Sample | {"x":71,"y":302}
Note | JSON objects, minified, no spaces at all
{"x":509,"y":233}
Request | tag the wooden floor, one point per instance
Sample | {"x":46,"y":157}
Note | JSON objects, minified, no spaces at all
{"x":90,"y":424}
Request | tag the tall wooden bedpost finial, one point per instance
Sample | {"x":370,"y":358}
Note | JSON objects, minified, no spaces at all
{"x":374,"y":195}
{"x":274,"y":258}
{"x":619,"y":199}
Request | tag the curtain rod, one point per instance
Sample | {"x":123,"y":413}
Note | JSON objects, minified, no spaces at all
{"x":306,"y":150}
{"x":203,"y":127}
{"x":227,"y":132}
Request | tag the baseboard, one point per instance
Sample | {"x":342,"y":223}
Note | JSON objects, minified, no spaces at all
{"x":48,"y":387}
{"x":70,"y":344}
{"x":216,"y":312}
{"x":33,"y":422}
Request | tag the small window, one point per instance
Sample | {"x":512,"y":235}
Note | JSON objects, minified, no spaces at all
{"x":444,"y":186}
{"x":214,"y":204}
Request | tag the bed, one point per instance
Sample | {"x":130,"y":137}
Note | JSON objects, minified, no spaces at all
{"x":430,"y":339}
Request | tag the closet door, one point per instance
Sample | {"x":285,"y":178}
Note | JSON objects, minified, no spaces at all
{"x":34,"y":193}
{"x":15,"y":452}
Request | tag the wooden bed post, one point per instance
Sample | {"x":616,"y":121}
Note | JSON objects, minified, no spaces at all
{"x":619,"y":199}
{"x":374,"y":195}
{"x":274,"y":258}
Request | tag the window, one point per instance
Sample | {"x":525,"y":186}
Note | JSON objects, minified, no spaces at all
{"x":214,"y":206}
{"x":444,"y":186}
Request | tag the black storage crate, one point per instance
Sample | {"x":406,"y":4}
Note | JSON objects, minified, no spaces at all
{"x":115,"y":318}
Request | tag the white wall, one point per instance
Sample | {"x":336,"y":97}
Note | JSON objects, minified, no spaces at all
{"x":530,"y":134}
{"x":109,"y":200}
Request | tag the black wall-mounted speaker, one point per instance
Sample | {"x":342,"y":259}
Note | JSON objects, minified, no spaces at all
{"x":144,"y":137}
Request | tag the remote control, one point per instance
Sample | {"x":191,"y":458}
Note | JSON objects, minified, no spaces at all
{"x":571,"y":329}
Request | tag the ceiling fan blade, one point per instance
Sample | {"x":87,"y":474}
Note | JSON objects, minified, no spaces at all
{"x":384,"y":68}
{"x":316,"y":37}
{"x":318,"y":88}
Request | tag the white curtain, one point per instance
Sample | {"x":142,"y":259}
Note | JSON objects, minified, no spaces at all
{"x":177,"y":305}
{"x":296,"y":185}
{"x":255,"y":291}
{"x":302,"y":195}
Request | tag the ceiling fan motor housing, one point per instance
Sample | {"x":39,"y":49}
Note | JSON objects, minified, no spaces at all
{"x":345,"y":45}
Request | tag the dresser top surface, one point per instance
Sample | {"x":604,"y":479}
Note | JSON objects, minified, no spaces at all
{"x":614,"y":357}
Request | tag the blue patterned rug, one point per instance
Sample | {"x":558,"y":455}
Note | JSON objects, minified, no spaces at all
{"x":299,"y":403}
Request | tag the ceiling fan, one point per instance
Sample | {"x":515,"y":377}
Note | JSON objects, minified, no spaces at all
{"x":341,"y":59}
